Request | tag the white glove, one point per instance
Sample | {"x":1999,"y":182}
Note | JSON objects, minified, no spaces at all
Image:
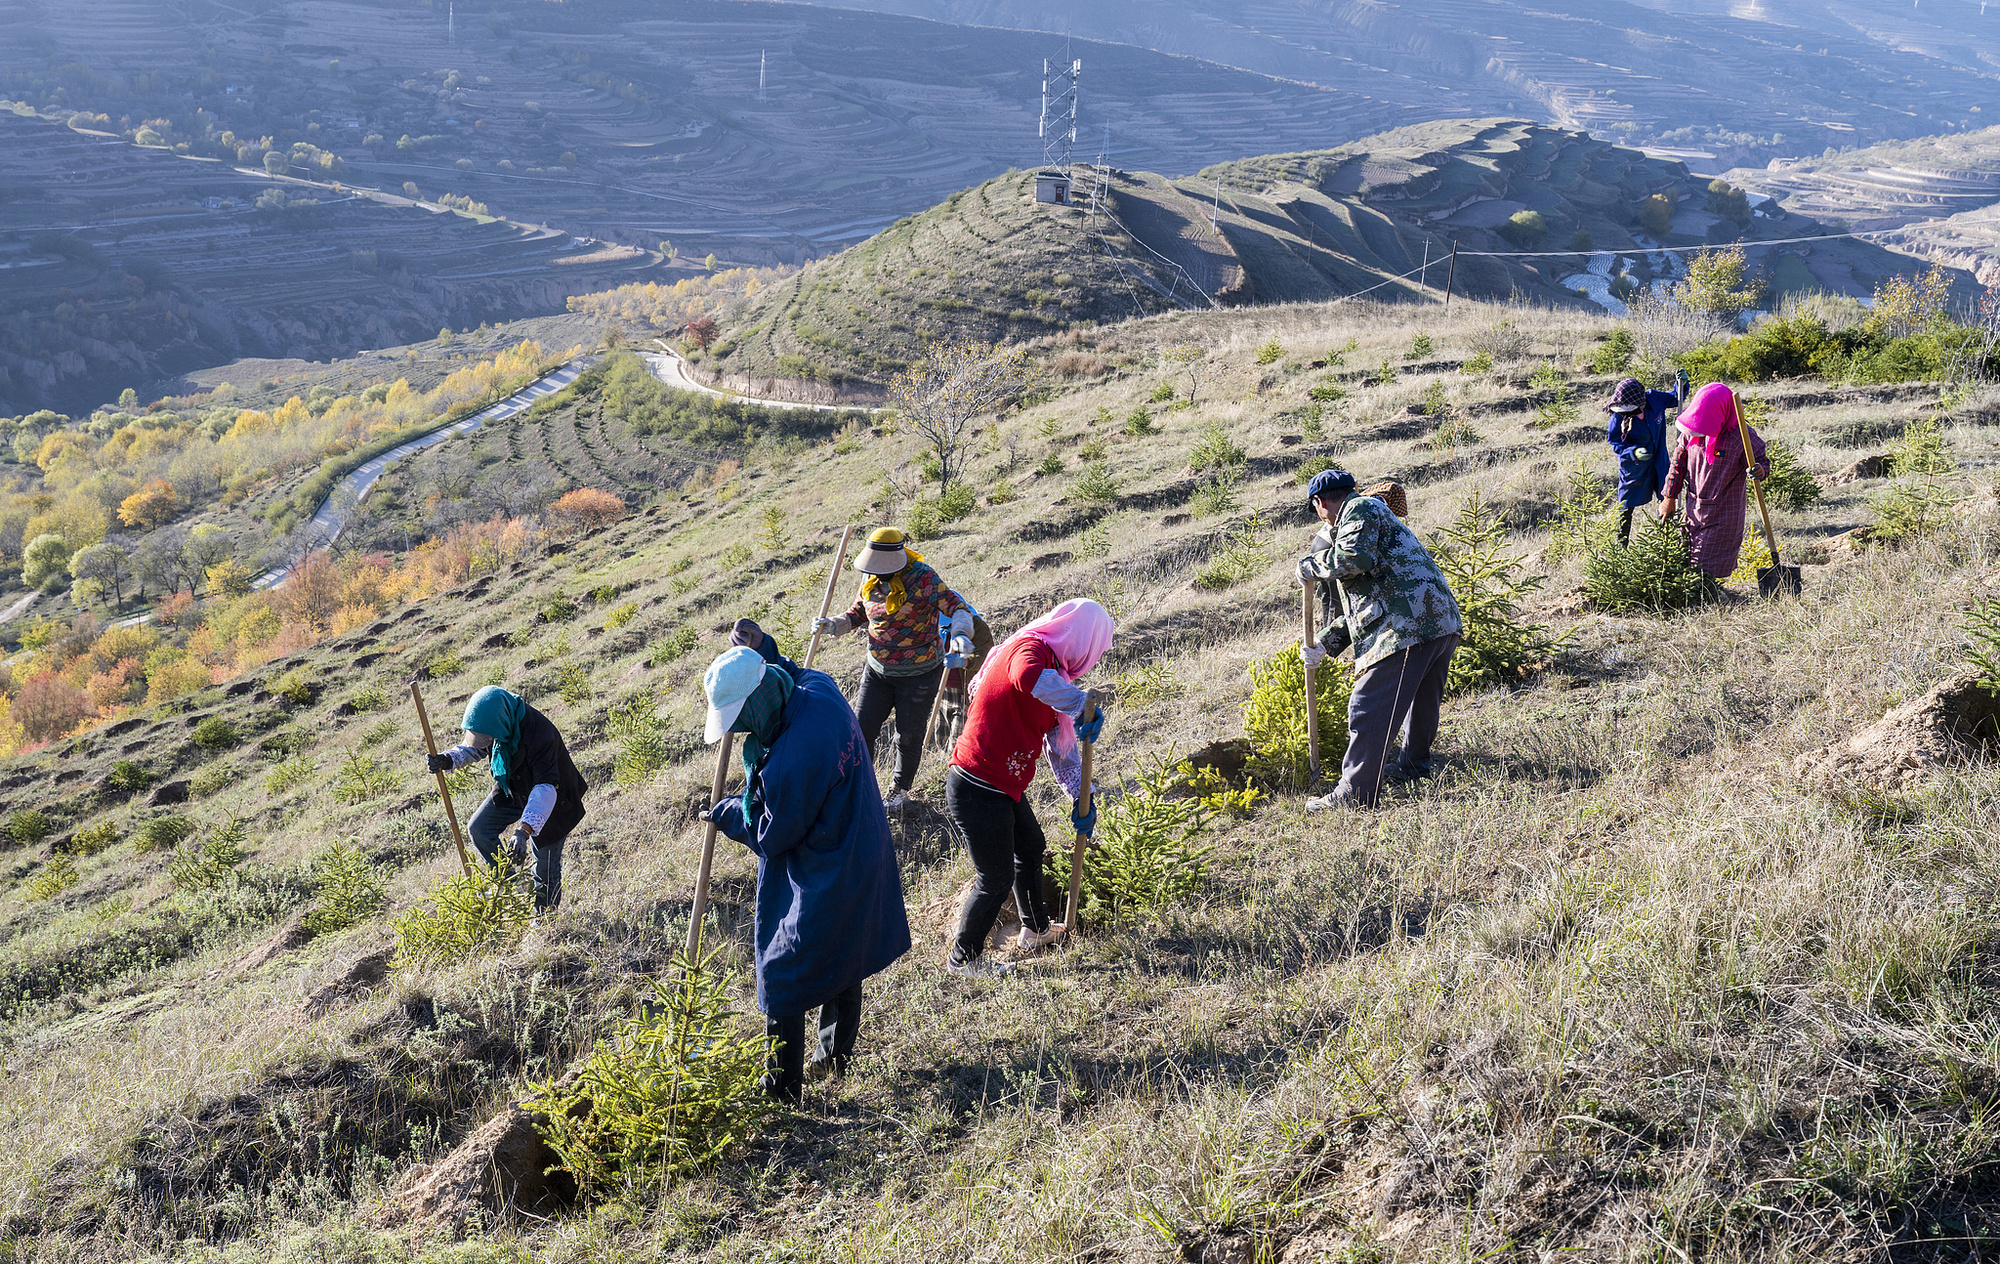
{"x":962,"y":646}
{"x":836,"y":626}
{"x":1642,"y":454}
{"x":1312,"y":656}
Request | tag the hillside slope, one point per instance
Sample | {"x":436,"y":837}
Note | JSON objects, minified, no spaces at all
{"x":1620,"y":975}
{"x":990,"y":263}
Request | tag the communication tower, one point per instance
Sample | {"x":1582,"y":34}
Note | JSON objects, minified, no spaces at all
{"x":451,"y":22}
{"x":1058,"y":130}
{"x":760,"y":75}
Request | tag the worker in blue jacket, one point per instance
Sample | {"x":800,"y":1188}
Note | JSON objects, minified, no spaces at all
{"x":1638,"y":434}
{"x":829,"y":897}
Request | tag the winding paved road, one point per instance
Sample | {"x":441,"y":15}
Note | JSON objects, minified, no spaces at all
{"x":670,"y":368}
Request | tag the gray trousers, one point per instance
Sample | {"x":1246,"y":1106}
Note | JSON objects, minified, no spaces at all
{"x":1402,"y":692}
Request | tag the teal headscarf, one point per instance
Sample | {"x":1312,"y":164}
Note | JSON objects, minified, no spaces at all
{"x":762,"y":712}
{"x":498,"y":714}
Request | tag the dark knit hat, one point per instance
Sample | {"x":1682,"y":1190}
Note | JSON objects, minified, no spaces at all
{"x":1627,"y":395}
{"x":1327,"y":484}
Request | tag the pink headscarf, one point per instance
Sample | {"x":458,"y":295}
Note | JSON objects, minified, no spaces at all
{"x":1078,"y":632}
{"x":1709,"y":416}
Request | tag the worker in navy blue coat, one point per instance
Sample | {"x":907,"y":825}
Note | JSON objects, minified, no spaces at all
{"x":829,"y":897}
{"x":1638,"y":434}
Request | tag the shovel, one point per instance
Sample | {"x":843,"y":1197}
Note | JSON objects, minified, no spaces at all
{"x":1773,"y":580}
{"x":1073,"y":915}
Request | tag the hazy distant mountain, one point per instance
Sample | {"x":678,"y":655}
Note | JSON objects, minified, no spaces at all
{"x":1741,"y":79}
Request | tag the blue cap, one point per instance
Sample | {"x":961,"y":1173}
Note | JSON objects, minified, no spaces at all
{"x":729,"y":682}
{"x":1327,"y":484}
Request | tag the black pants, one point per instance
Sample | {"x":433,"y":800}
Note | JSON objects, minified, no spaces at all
{"x":1006,"y":843}
{"x":910,"y":697}
{"x":1625,"y":513}
{"x":499,"y":812}
{"x":839,"y":1024}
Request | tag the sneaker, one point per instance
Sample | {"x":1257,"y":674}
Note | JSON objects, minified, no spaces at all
{"x":977,"y":968}
{"x":896,"y":801}
{"x":1332,"y":803}
{"x":1030,"y":939}
{"x":819,"y":1069}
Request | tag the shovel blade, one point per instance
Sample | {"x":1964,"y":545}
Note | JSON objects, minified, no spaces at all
{"x":1779,"y":581}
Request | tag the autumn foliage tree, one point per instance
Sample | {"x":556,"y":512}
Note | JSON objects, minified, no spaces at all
{"x":152,"y":505}
{"x":586,"y":507}
{"x":700,"y":332}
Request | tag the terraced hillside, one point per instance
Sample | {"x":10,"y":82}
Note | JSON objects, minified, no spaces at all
{"x":637,"y":123}
{"x":1307,"y":227}
{"x":125,"y":266}
{"x":1623,"y":973}
{"x":1736,"y":83}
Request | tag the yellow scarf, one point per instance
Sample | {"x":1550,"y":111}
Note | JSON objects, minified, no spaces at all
{"x":897,"y":593}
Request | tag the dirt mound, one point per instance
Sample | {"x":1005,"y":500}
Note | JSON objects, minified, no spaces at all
{"x":498,"y":1172}
{"x":293,"y":934}
{"x":1953,"y":723}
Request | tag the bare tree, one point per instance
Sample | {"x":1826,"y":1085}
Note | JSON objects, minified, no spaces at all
{"x":952,"y":386}
{"x":1191,"y":359}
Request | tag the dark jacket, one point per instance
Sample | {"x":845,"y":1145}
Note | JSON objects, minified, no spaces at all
{"x":829,"y":897}
{"x":541,"y":759}
{"x":1639,"y":481}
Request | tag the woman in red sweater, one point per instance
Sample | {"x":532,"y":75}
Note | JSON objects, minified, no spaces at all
{"x":1024,"y":698}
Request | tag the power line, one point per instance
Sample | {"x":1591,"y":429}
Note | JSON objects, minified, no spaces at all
{"x":1667,"y":250}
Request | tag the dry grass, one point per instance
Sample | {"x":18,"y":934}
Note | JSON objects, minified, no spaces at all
{"x":1613,"y":984}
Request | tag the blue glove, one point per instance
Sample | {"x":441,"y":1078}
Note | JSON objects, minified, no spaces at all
{"x":954,"y":662}
{"x":1087,"y":730}
{"x":1086,"y":826}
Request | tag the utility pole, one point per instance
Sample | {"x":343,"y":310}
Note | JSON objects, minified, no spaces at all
{"x":1452,"y":275}
{"x":1216,"y":208}
{"x":760,"y":76}
{"x":1423,"y":276}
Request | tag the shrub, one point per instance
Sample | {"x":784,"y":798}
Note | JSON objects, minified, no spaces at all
{"x":1274,"y":717}
{"x":1094,"y":542}
{"x":211,"y":779}
{"x":467,"y":913}
{"x":1614,"y":354}
{"x":1498,"y":646}
{"x":1312,"y":427}
{"x":127,"y":777}
{"x":215,"y":734}
{"x":1982,"y":633}
{"x":363,"y":776}
{"x":573,"y":683}
{"x":1051,"y":464}
{"x":1096,"y":484}
{"x":1270,"y":352}
{"x":1328,"y":392}
{"x":560,"y":609}
{"x":1164,"y":393}
{"x":1421,"y":346}
{"x":1213,"y":791}
{"x":1309,"y":467}
{"x":1790,"y":486}
{"x":1000,"y":493}
{"x":373,"y":698}
{"x":1241,"y":560}
{"x":1919,"y":501}
{"x":1719,"y":285}
{"x":1525,"y":230}
{"x":288,"y":774}
{"x":1148,"y":683}
{"x":771,"y":532}
{"x":1215,"y":450}
{"x":677,"y":646}
{"x":665,"y":1093}
{"x":445,"y":664}
{"x":27,"y":827}
{"x":922,"y":520}
{"x":1092,"y":450}
{"x":1139,"y":422}
{"x":210,"y":863}
{"x":622,"y":615}
{"x":1559,"y":409}
{"x":642,"y":739}
{"x":1583,"y":523}
{"x":94,"y":839}
{"x":960,"y":501}
{"x":586,"y":507}
{"x":346,"y":889}
{"x":1456,"y":432}
{"x":56,"y":876}
{"x":1387,"y":373}
{"x":1479,"y":363}
{"x":1501,"y":340}
{"x":1148,"y":853}
{"x":1654,"y":574}
{"x":162,"y":832}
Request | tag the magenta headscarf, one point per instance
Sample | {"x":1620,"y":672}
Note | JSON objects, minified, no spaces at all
{"x":1078,"y":632}
{"x":1710,"y":415}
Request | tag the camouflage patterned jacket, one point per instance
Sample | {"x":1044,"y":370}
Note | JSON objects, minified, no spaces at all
{"x":1380,"y":590}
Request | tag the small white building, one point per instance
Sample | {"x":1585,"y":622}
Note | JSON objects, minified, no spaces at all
{"x":1053,"y":187}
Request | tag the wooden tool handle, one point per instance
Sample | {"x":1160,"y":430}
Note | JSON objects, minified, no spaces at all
{"x":1312,"y":694}
{"x":708,"y":849}
{"x":444,"y":791}
{"x":826,"y":602}
{"x":1073,"y":916}
{"x":1757,"y":485}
